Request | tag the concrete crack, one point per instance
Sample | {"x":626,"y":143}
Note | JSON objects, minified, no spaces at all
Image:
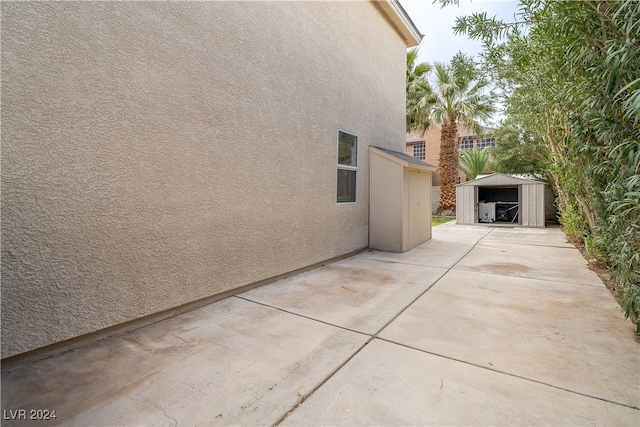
{"x":175,"y":422}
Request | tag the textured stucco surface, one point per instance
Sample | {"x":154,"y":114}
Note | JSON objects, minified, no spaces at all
{"x":155,"y":154}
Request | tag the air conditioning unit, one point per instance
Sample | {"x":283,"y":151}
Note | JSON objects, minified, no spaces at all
{"x":486,"y":212}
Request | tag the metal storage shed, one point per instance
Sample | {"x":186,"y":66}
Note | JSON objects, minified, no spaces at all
{"x":399,"y":201}
{"x":501,"y":199}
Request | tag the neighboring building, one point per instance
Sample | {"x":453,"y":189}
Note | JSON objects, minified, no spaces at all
{"x":427,"y":146}
{"x":468,"y":140}
{"x":160,"y":155}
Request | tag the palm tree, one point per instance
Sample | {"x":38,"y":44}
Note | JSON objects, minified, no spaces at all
{"x":419,"y":95}
{"x":474,"y":162}
{"x":457,"y":98}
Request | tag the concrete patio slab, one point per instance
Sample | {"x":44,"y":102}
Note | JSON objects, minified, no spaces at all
{"x":447,"y":246}
{"x":530,"y":236}
{"x":357,"y":293}
{"x":228,"y":363}
{"x":480,"y":326}
{"x":562,"y":334}
{"x":502,"y":257}
{"x":387,"y":384}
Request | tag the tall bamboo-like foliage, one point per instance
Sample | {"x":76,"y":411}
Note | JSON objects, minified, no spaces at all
{"x":571,"y":72}
{"x":519,"y":152}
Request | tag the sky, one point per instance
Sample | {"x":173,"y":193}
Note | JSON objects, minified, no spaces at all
{"x":439,"y":43}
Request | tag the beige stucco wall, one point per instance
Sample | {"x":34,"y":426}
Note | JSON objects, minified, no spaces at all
{"x":158,"y":153}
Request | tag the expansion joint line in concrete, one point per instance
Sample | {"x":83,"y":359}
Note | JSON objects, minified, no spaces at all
{"x":506,"y":275}
{"x":481,"y":366}
{"x":302,"y":315}
{"x":330,"y":374}
{"x":431,"y":286}
{"x":509,"y":374}
{"x":541,"y":246}
{"x":371,"y":336}
{"x":540,"y":279}
{"x":322,"y":382}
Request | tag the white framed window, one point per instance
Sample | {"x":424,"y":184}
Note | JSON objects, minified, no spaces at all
{"x":465,"y":143}
{"x":418,"y":151}
{"x":486,"y":142}
{"x":347,"y":167}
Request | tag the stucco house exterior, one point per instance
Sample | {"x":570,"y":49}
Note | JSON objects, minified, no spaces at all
{"x":157,"y":156}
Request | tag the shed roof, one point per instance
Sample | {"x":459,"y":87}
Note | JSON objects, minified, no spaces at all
{"x":498,"y":179}
{"x":405,"y":159}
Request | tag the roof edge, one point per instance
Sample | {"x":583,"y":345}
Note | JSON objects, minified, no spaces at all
{"x":402,"y":158}
{"x":486,"y":177}
{"x":400,"y":20}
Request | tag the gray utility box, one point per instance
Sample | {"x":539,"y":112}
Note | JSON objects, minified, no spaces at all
{"x":486,"y":212}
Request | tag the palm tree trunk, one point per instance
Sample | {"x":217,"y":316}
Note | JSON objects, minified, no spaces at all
{"x":448,"y":168}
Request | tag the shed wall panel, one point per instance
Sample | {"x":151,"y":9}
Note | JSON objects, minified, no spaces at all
{"x":525,"y":208}
{"x":386,"y":202}
{"x":465,"y":204}
{"x":419,"y":208}
{"x":532,"y":205}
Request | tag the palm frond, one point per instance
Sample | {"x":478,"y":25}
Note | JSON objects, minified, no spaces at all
{"x":474,"y":162}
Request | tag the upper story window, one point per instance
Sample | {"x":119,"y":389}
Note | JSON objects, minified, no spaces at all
{"x":465,"y":143}
{"x":347,"y":167}
{"x":486,"y":142}
{"x":418,"y":151}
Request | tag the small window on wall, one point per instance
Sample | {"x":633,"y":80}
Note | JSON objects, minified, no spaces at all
{"x":347,"y":167}
{"x":465,"y":143}
{"x":486,"y":142}
{"x":418,"y":151}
